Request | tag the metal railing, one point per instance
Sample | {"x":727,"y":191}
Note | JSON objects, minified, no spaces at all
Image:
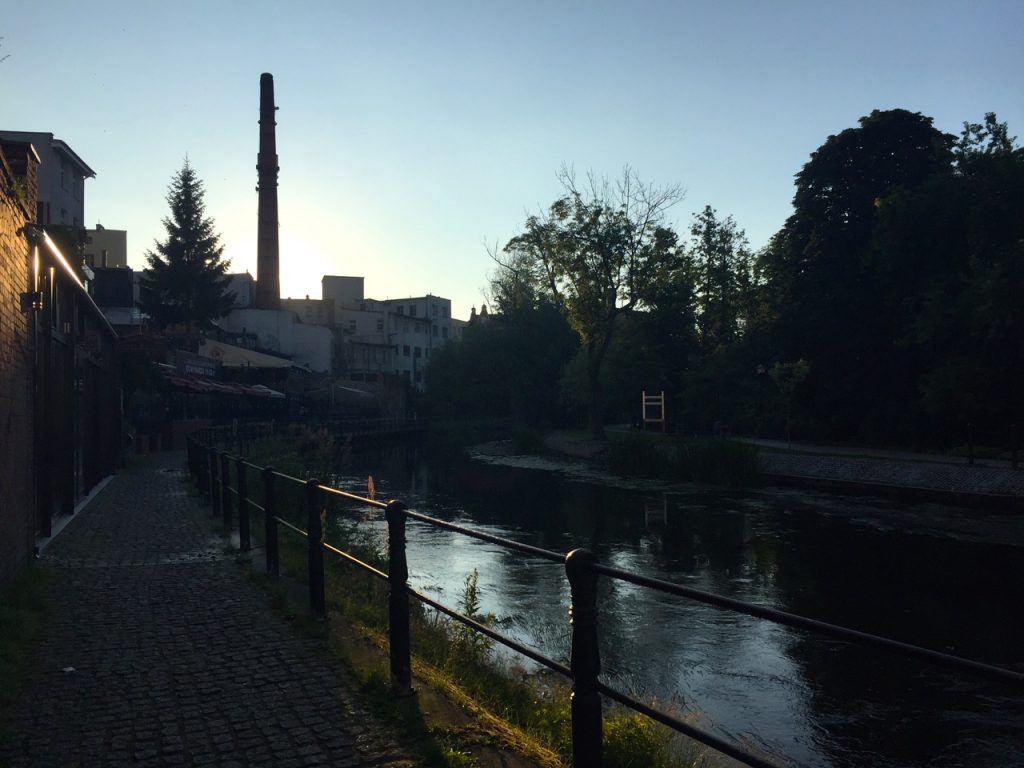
{"x":211,"y":468}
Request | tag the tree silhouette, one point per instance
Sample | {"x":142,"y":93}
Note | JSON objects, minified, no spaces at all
{"x":599,"y":250}
{"x":185,"y":282}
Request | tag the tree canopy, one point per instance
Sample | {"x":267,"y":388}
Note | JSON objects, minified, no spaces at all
{"x":886,"y":310}
{"x":186,"y":281}
{"x":599,"y":250}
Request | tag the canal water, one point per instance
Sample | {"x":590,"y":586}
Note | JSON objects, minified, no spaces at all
{"x":942,"y":577}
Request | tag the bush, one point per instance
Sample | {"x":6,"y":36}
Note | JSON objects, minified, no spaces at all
{"x":703,"y":460}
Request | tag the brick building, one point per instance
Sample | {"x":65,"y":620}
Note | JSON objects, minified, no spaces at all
{"x":17,"y":208}
{"x":60,"y":428}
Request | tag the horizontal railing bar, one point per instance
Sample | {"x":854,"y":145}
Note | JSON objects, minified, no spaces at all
{"x":715,"y":742}
{"x":484,"y":629}
{"x":254,"y":505}
{"x":725,"y":746}
{"x":354,"y":497}
{"x":822,"y":627}
{"x":356,"y":561}
{"x":283,"y":476}
{"x":546,"y":554}
{"x":295,"y":528}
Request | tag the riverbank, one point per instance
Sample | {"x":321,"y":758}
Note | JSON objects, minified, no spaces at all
{"x":908,"y":476}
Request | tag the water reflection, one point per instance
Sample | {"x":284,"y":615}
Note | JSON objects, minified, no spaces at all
{"x":838,"y":559}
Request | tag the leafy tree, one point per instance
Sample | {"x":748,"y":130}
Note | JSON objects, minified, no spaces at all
{"x":722,"y":277}
{"x":832,"y":295}
{"x":600,"y":250}
{"x":967,"y":320}
{"x":499,"y":370}
{"x":787,"y":377}
{"x":186,"y":280}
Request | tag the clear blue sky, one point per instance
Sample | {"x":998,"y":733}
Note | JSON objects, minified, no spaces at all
{"x":412,"y":134}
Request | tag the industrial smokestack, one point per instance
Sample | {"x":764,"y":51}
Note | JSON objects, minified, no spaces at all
{"x":268,"y":269}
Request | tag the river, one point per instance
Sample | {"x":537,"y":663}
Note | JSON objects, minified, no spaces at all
{"x":941,"y":577}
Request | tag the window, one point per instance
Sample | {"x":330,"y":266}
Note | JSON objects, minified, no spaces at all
{"x":405,"y":350}
{"x":401,"y":309}
{"x":418,"y":352}
{"x":444,"y":312}
{"x":380,"y":323}
{"x":435,"y":330}
{"x":351,"y":326}
{"x":419,"y":377}
{"x":427,"y":353}
{"x":444,"y":333}
{"x":412,"y":310}
{"x":435,"y":310}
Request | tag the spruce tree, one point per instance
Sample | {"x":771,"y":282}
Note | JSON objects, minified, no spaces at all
{"x":186,"y":280}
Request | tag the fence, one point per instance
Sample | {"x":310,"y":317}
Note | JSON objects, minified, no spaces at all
{"x":212,"y":469}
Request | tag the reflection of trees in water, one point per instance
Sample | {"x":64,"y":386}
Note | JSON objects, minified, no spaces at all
{"x":812,"y":560}
{"x":939,"y":593}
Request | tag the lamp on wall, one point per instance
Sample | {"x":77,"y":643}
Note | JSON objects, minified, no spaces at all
{"x":32,"y":301}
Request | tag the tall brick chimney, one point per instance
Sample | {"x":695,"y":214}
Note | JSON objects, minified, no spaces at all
{"x":268,"y":269}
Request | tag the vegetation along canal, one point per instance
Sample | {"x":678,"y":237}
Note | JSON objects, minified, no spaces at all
{"x":891,"y":569}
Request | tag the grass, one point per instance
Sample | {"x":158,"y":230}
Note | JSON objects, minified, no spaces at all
{"x":25,"y":607}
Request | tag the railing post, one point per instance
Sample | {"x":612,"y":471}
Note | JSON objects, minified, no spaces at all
{"x":1015,"y":446}
{"x":244,"y":539}
{"x":270,"y":524}
{"x":199,"y":467}
{"x":315,"y":513}
{"x":225,"y":489}
{"x":214,"y":487}
{"x":584,"y":660}
{"x":398,"y":599}
{"x":191,"y":454}
{"x":970,"y":444}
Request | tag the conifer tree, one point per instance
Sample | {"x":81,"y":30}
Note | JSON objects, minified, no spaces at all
{"x":185,"y":282}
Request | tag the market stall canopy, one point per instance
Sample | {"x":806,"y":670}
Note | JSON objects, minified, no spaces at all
{"x":231,"y":356}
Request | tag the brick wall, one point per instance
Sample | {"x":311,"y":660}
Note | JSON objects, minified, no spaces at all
{"x":17,"y":526}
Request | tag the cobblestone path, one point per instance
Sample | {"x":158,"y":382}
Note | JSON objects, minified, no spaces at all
{"x":161,"y":653}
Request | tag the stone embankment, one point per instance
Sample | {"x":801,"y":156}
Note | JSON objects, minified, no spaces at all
{"x":910,"y":475}
{"x":894,"y":473}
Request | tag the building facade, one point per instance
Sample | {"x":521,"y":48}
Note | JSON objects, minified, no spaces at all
{"x":60,"y":197}
{"x":59,"y":373}
{"x":17,"y":208}
{"x":106,"y":248}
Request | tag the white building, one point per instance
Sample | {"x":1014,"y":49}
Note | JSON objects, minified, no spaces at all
{"x":394,"y":336}
{"x":309,"y":346}
{"x":60,"y":198}
{"x":243,"y":285}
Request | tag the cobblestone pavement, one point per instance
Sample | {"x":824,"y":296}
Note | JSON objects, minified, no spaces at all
{"x":162,"y":654}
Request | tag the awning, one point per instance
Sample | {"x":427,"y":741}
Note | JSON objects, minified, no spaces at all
{"x":231,"y":356}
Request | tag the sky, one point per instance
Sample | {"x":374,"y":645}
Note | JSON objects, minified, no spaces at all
{"x":414,"y":137}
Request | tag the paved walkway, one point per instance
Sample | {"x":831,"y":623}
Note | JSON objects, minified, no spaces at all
{"x":892,"y":469}
{"x":162,"y":654}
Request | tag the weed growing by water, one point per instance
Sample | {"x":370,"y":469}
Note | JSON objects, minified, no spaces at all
{"x":703,"y":460}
